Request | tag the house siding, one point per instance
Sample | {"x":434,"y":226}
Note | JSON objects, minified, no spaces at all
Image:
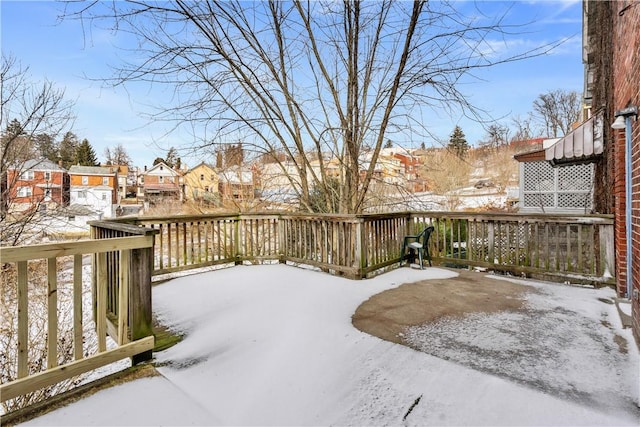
{"x":57,"y":184}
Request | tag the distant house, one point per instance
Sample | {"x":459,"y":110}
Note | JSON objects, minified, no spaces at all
{"x":236,"y":184}
{"x":37,"y":184}
{"x":201,"y":184}
{"x":95,"y":187}
{"x":126,"y":181}
{"x":160,"y":182}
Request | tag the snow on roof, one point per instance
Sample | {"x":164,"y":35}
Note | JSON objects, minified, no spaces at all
{"x":92,"y":170}
{"x":41,"y":164}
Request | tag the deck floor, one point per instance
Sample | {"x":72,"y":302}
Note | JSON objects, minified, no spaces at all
{"x":275,"y":345}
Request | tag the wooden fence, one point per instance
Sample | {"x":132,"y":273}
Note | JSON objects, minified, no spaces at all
{"x":561,"y":247}
{"x":119,"y":278}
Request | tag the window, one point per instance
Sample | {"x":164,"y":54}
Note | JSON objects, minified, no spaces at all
{"x":201,"y":177}
{"x":26,"y":175}
{"x":47,"y":176}
{"x":82,"y":194}
{"x":171,"y":179}
{"x":25,"y":192}
{"x":47,"y":194}
{"x":104,"y":196}
{"x":85,"y":180}
{"x":161,"y":179}
{"x":105,"y":180}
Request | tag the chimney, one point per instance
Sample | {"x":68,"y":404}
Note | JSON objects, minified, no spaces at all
{"x":145,"y":168}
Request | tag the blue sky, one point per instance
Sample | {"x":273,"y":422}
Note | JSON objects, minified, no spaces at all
{"x":64,"y":54}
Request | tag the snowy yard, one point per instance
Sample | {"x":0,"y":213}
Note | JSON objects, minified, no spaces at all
{"x":274,"y":345}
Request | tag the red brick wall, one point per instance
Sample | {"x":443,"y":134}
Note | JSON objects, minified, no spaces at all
{"x":626,"y":92}
{"x":37,"y":184}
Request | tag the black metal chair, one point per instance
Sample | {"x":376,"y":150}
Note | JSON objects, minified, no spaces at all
{"x":420,"y":244}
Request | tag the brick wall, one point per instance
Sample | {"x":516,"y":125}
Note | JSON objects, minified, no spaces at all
{"x":626,"y":92}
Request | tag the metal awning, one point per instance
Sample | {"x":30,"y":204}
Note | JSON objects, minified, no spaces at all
{"x":582,"y":145}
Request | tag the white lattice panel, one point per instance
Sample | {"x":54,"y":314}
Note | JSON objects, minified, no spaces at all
{"x":539,"y":176}
{"x":562,"y":188}
{"x":575,"y":178}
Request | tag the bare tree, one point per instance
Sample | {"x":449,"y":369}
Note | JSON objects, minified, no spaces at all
{"x":336,"y":78}
{"x":522,"y":128}
{"x":28,"y":110}
{"x":557,"y":111}
{"x":117,"y":156}
{"x":448,"y":174}
{"x":497,"y":136}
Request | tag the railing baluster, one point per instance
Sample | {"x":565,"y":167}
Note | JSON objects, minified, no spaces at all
{"x":52,"y":313}
{"x":23,"y":320}
{"x":101,"y":302}
{"x":77,"y":308}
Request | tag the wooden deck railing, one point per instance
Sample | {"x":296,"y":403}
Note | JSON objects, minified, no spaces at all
{"x":130,"y":331}
{"x":561,"y":247}
{"x":130,"y":251}
{"x":564,"y":247}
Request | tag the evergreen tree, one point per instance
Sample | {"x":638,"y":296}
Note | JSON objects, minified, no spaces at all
{"x":68,"y":149}
{"x":47,"y":146}
{"x":458,"y":143}
{"x":85,"y":155}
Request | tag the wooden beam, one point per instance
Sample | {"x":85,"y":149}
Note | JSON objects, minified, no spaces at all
{"x":54,"y":250}
{"x":60,"y":373}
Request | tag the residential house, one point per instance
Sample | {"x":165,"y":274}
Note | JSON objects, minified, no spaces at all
{"x":611,"y":42}
{"x":411,"y":170}
{"x":388,"y":168}
{"x":201,"y":184}
{"x":126,"y":181}
{"x":37,"y":184}
{"x":278,"y":183}
{"x":160,"y":183}
{"x":95,"y":187}
{"x":236,"y":184}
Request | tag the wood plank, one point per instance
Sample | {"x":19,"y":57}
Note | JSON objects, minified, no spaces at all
{"x":56,"y":250}
{"x":101,"y":302}
{"x":52,"y":313}
{"x":77,"y":307}
{"x":60,"y":373}
{"x":23,"y":320}
{"x":123,"y":298}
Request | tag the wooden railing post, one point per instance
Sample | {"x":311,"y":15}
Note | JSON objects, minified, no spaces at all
{"x":282,"y":259}
{"x":360,"y":249}
{"x":237,"y":247}
{"x":491,"y":238}
{"x":141,"y":268}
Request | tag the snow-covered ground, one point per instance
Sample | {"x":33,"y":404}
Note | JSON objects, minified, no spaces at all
{"x":274,"y":345}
